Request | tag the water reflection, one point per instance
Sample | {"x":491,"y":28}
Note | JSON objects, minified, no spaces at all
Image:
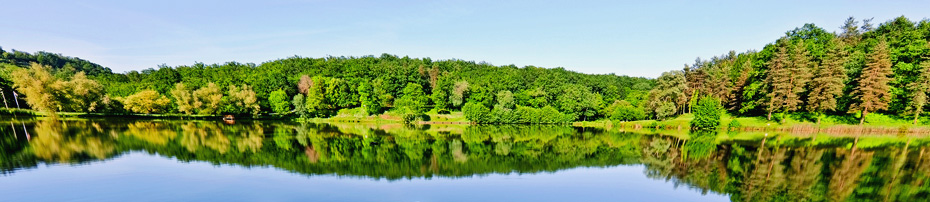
{"x":767,"y":169}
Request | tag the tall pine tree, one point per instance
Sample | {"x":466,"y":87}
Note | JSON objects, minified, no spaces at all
{"x":919,"y":90}
{"x":777,"y":78}
{"x":829,"y":81}
{"x":873,"y":92}
{"x":789,"y":73}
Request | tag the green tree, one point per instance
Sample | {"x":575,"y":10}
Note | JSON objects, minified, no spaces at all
{"x":669,"y":94}
{"x":624,"y":111}
{"x":279,"y":101}
{"x":707,"y":114}
{"x":413,"y":100}
{"x":665,"y":110}
{"x":477,"y":113}
{"x":872,"y":93}
{"x":368,"y":99}
{"x":300,"y":106}
{"x":505,"y":100}
{"x":316,"y":102}
{"x":579,"y":101}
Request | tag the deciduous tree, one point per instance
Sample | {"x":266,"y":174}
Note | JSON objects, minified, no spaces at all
{"x":146,"y":101}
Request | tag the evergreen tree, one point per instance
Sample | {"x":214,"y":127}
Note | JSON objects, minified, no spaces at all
{"x":919,"y":90}
{"x":777,"y":78}
{"x":873,"y":92}
{"x":800,"y":67}
{"x":828,"y":83}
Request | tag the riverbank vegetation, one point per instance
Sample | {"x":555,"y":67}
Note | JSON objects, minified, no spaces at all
{"x":860,"y":70}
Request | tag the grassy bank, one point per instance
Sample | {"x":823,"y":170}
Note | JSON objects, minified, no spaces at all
{"x":795,"y":124}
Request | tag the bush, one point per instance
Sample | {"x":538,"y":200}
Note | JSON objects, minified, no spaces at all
{"x":707,"y":114}
{"x":479,"y":113}
{"x":476,"y":112}
{"x":734,"y":125}
{"x":443,"y":111}
{"x":409,"y":118}
{"x":624,"y":111}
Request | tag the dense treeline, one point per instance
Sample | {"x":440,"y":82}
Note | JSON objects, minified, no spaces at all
{"x":862,"y":69}
{"x":320,"y":87}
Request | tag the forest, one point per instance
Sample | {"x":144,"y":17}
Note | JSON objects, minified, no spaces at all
{"x":860,"y":70}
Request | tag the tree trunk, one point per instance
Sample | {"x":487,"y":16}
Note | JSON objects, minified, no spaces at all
{"x":770,"y":116}
{"x":862,"y":118}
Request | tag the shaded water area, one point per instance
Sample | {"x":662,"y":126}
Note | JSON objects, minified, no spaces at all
{"x":153,"y":160}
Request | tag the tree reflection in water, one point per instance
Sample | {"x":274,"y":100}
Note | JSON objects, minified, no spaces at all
{"x":799,"y":169}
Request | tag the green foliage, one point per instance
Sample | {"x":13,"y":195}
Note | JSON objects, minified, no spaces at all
{"x":668,"y":94}
{"x":477,"y":113}
{"x":772,"y":79}
{"x":368,"y":99}
{"x":701,"y":144}
{"x":579,"y":101}
{"x":413,"y":99}
{"x":520,"y":115}
{"x":665,"y":110}
{"x":623,"y":111}
{"x":504,"y":100}
{"x":279,"y":102}
{"x":300,"y":106}
{"x":707,"y":114}
{"x":734,"y":124}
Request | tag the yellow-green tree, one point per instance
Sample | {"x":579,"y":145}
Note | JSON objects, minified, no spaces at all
{"x":183,"y":98}
{"x":207,"y":100}
{"x":38,"y":87}
{"x":146,"y":101}
{"x":81,"y":94}
{"x":241,"y":100}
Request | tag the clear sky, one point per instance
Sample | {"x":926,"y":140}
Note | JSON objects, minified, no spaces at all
{"x":638,"y":38}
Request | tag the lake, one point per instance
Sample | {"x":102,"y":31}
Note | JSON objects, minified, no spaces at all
{"x":156,"y":160}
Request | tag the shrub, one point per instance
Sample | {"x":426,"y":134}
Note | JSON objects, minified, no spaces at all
{"x":476,"y":112}
{"x":707,"y":114}
{"x":410,"y":117}
{"x":624,"y":111}
{"x":734,"y":125}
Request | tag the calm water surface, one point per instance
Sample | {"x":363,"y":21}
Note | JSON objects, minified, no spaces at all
{"x":141,"y":160}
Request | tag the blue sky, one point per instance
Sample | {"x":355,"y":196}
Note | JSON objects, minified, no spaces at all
{"x":638,"y":38}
